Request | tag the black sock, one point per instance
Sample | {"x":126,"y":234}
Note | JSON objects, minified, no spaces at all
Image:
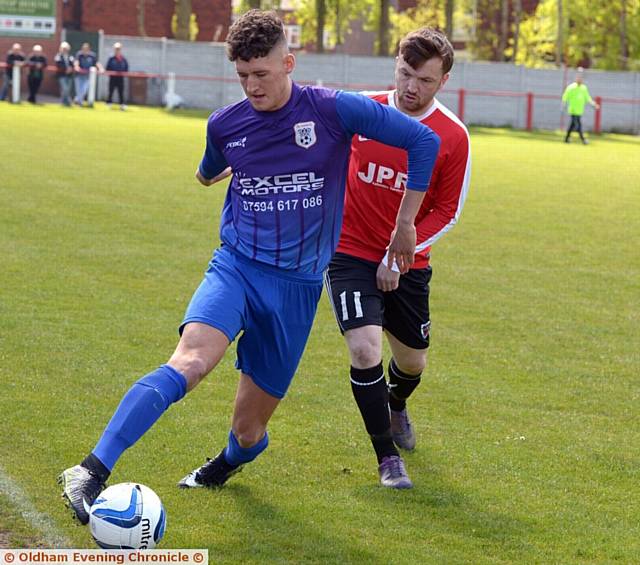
{"x":401,"y":385}
{"x":372,"y":397}
{"x":93,"y":464}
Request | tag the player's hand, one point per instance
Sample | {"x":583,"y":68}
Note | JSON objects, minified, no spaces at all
{"x":386,"y":279}
{"x":402,"y":247}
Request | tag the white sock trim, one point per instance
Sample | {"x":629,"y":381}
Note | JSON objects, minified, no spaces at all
{"x":367,"y":384}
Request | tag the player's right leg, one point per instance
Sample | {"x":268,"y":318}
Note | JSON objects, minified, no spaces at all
{"x":200,"y":349}
{"x":357,"y":304}
{"x":213,"y":319}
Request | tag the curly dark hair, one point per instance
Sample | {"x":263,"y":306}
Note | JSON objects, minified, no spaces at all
{"x":254,"y":34}
{"x":424,"y":44}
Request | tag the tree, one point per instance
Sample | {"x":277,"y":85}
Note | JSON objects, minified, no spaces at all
{"x":624,"y":46}
{"x":141,"y":29}
{"x":504,"y":30}
{"x":517,"y":18}
{"x":321,"y":12}
{"x":336,"y":17}
{"x":592,"y":34}
{"x":405,"y":22}
{"x":560,"y":40}
{"x":383,"y":28}
{"x":183,"y":19}
{"x":246,"y":5}
{"x":449,"y":9}
{"x":485,"y":43}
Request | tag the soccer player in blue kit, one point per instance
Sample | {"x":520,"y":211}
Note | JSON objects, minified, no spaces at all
{"x":288,"y":150}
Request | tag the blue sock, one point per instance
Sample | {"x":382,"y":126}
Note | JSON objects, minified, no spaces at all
{"x":237,"y":455}
{"x":143,"y":404}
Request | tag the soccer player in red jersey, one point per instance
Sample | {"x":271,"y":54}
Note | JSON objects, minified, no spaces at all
{"x":372,"y":294}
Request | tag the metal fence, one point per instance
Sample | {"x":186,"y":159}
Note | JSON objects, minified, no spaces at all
{"x":481,"y":93}
{"x":492,"y":94}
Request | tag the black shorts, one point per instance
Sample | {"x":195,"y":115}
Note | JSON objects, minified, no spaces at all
{"x":357,"y":301}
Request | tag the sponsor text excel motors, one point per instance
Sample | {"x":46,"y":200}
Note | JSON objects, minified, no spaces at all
{"x":280,"y":184}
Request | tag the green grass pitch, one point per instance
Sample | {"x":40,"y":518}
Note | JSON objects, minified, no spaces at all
{"x":528,"y":417}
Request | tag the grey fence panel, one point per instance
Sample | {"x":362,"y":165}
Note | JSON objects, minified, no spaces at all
{"x":219,"y":87}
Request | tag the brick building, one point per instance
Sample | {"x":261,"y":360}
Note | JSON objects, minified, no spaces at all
{"x":49,"y":45}
{"x":150,"y":18}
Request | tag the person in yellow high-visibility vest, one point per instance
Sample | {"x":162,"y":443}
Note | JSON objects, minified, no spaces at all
{"x":576,"y":96}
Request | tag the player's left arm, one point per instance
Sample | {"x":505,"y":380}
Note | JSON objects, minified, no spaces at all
{"x":359,"y":114}
{"x":591,"y":100}
{"x":448,"y":196}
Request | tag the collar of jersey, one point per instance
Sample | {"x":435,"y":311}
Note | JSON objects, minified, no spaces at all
{"x":391,"y":100}
{"x":293,"y":99}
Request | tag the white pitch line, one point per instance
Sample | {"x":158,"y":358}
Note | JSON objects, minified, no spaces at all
{"x":51,"y":536}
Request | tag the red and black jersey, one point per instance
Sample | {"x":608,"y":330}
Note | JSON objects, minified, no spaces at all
{"x":376,"y":183}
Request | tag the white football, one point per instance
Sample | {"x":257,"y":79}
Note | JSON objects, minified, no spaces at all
{"x":127,"y":516}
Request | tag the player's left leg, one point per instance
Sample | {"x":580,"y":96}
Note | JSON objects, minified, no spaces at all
{"x":279,"y":315}
{"x":247,"y":438}
{"x":405,"y":372}
{"x":579,"y":128}
{"x":407,"y":324}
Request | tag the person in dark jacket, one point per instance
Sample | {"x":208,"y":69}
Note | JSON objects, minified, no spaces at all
{"x":37,"y":63}
{"x":64,"y":63}
{"x":15,"y":56}
{"x":117,"y":63}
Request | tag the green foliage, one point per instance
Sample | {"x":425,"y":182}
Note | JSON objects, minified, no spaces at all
{"x":425,"y":13}
{"x":592,"y":34}
{"x":194,"y":29}
{"x":372,"y":23}
{"x":246,"y":5}
{"x":338,"y":18}
{"x":527,"y":418}
{"x":484,"y":45}
{"x":538,"y":35}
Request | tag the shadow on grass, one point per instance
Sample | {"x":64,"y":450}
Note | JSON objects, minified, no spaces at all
{"x":192,"y":113}
{"x":441,"y":508}
{"x":553,"y":136}
{"x":274,"y":532}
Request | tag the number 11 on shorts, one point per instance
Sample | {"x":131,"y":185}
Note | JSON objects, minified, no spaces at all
{"x":356,"y":302}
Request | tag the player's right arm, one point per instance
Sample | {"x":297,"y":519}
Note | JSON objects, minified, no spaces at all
{"x":214,"y":166}
{"x":208,"y":182}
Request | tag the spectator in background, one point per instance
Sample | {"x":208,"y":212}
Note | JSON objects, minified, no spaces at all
{"x":37,"y":62}
{"x":576,"y":96}
{"x":15,"y":56}
{"x":85,"y":59}
{"x":117,"y":63}
{"x":64,"y":63}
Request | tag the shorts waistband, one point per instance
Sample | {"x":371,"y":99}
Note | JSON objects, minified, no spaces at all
{"x":294,"y":276}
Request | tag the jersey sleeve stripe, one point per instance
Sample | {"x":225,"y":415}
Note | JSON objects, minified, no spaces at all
{"x":464,"y":189}
{"x":454,"y":220}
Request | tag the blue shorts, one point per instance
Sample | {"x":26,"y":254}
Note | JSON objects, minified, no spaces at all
{"x":274,"y":309}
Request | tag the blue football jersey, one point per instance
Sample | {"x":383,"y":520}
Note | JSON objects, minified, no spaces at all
{"x":285,"y":199}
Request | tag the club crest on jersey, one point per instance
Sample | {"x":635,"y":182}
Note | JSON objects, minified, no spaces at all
{"x":305,"y":134}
